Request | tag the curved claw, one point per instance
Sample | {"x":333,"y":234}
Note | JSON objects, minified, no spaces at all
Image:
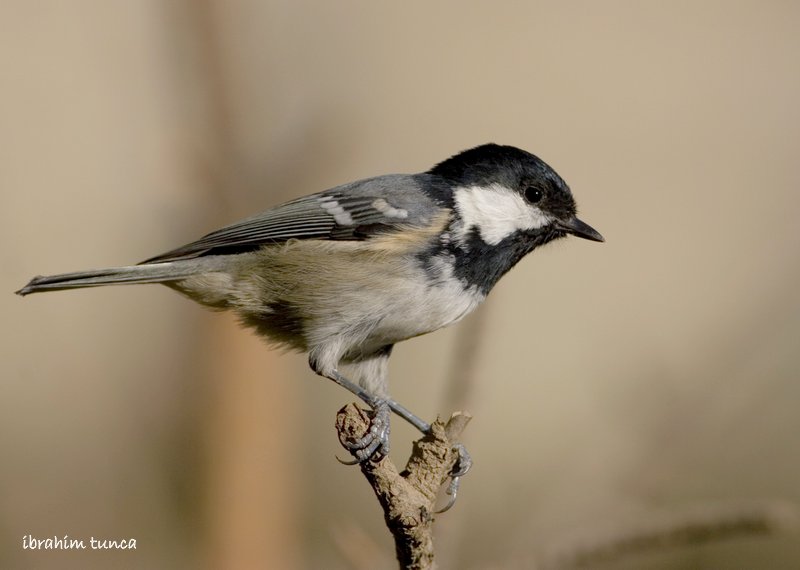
{"x":452,"y":490}
{"x":347,"y":461}
{"x":375,"y":443}
{"x":464,"y":462}
{"x":460,"y":468}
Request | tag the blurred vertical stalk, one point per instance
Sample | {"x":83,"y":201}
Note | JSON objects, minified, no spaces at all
{"x":459,"y":395}
{"x":251,"y":520}
{"x":251,"y":517}
{"x":460,"y":386}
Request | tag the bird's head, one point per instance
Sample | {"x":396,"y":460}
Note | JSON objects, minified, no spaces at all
{"x":499,"y":191}
{"x":506,"y":203}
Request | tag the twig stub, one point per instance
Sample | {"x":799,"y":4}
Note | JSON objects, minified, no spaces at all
{"x":408,"y":498}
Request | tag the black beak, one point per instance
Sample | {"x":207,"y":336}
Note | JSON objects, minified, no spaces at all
{"x":577,"y":228}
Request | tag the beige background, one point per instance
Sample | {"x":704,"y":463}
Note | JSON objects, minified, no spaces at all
{"x":614,"y":383}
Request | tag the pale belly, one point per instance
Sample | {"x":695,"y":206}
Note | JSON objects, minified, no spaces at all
{"x":420,"y":310}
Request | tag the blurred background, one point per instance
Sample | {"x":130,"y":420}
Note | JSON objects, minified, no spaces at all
{"x":612,"y":385}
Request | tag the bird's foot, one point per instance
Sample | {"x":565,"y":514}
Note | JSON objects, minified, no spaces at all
{"x":374,"y":444}
{"x":460,"y":467}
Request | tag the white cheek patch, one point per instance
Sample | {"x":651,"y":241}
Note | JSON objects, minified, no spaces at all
{"x":496,"y":212}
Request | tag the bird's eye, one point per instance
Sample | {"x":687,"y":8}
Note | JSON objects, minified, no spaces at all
{"x":533,"y":194}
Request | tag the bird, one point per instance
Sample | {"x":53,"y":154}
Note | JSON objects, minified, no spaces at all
{"x":345,"y":274}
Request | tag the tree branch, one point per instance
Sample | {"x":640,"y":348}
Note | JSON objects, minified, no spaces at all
{"x":408,"y":497}
{"x":688,"y":527}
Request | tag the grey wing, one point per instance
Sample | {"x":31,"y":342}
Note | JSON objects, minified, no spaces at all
{"x":354,"y":211}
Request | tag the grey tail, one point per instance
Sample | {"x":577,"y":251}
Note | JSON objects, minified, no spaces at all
{"x":147,"y":273}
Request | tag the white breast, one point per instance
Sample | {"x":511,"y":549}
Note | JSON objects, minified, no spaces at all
{"x":426,"y":309}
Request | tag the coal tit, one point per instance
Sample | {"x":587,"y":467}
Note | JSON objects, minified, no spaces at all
{"x":346,"y":273}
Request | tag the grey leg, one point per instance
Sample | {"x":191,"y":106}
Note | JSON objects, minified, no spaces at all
{"x":406,"y":414}
{"x":375,"y":443}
